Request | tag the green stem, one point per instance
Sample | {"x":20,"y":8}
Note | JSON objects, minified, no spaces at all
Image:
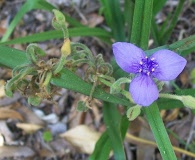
{"x":47,"y":78}
{"x":170,"y":96}
{"x":60,"y":64}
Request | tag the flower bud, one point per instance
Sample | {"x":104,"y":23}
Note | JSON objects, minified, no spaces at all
{"x":66,"y":49}
{"x":59,"y":17}
{"x":188,"y":101}
{"x":116,"y":86}
{"x":133,"y":112}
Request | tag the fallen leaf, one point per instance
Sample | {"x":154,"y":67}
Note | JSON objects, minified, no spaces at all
{"x":6,"y":113}
{"x":28,"y":127}
{"x":82,"y":138}
{"x":2,"y":90}
{"x":28,"y":115}
{"x":16,"y":152}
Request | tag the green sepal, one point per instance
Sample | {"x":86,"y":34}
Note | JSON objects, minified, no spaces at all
{"x":34,"y":100}
{"x":133,"y":112}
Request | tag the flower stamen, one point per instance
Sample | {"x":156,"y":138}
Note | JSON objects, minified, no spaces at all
{"x":147,"y":66}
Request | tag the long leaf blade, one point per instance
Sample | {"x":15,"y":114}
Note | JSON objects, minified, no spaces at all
{"x":160,"y":134}
{"x":55,"y":34}
{"x":112,"y":120}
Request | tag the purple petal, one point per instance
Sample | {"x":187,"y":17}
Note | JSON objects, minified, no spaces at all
{"x":170,"y":64}
{"x":143,"y":90}
{"x":127,"y":56}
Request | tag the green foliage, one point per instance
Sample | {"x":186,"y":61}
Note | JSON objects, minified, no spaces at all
{"x":114,"y":18}
{"x":47,"y":136}
{"x":162,"y":33}
{"x":112,"y":120}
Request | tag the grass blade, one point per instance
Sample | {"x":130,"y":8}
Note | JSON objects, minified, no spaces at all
{"x":146,"y":24}
{"x":160,"y":134}
{"x":158,"y":5}
{"x":55,"y":34}
{"x":137,"y":22}
{"x":128,"y":13}
{"x":112,"y":120}
{"x":23,"y":10}
{"x":103,"y":146}
{"x":114,"y":18}
{"x":164,"y":36}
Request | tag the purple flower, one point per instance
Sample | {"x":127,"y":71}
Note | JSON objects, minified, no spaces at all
{"x":164,"y":65}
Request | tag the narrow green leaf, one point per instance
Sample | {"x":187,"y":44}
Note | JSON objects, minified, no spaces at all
{"x":128,"y":13}
{"x":158,"y":5}
{"x":159,"y":131}
{"x":155,"y":32}
{"x":30,"y":5}
{"x":182,"y":47}
{"x":114,"y":18}
{"x":11,"y":57}
{"x":70,"y":81}
{"x":55,"y":34}
{"x":169,"y":104}
{"x":146,"y":23}
{"x":23,"y":10}
{"x":164,"y":36}
{"x":137,"y":22}
{"x":112,"y":120}
{"x":102,"y":148}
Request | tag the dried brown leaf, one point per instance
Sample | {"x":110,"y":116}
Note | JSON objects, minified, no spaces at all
{"x":6,"y":113}
{"x":28,"y":115}
{"x":29,"y":127}
{"x":2,"y":90}
{"x":16,"y":152}
{"x":82,"y":138}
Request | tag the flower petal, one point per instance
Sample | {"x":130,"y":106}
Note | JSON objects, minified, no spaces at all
{"x":143,"y":90}
{"x":127,"y":56}
{"x":170,"y":64}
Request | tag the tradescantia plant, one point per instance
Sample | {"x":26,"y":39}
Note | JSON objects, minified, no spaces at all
{"x":163,"y":65}
{"x":37,"y":78}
